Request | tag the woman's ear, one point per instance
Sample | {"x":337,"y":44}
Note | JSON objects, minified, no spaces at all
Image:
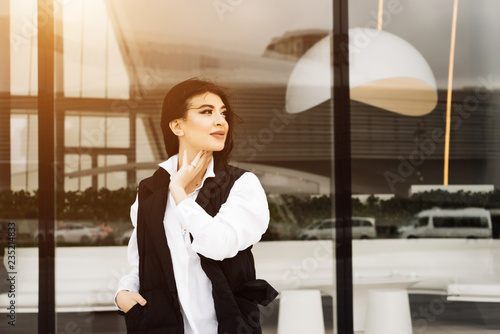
{"x":176,"y":128}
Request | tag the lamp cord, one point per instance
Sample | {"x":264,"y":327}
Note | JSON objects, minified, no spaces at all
{"x":448,"y":99}
{"x":380,"y":14}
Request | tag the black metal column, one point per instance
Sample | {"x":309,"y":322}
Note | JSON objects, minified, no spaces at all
{"x":342,"y":167}
{"x":46,"y":169}
{"x":132,"y":155}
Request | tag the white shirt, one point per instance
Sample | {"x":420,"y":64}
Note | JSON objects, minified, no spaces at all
{"x":240,"y":222}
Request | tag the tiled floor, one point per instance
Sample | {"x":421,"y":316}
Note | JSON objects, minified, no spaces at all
{"x":430,"y":330}
{"x":427,"y":318}
{"x":433,"y":330}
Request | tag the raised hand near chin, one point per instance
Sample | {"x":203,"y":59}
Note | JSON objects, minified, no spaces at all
{"x":187,"y":174}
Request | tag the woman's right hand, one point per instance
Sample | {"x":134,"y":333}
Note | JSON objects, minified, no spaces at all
{"x":127,"y":299}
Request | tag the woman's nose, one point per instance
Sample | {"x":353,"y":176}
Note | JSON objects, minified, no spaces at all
{"x":219,"y":119}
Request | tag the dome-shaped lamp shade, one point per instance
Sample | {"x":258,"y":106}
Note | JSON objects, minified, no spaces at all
{"x":389,"y":73}
{"x":310,"y":81}
{"x":385,"y":71}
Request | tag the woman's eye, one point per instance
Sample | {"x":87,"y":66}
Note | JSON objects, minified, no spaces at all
{"x":207,"y":111}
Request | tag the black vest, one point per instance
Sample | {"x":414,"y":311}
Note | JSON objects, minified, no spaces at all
{"x":235,"y":289}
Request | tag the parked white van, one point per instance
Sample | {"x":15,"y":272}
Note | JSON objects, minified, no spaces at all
{"x":449,"y":223}
{"x":362,"y":228}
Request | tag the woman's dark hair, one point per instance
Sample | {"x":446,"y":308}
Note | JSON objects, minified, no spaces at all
{"x":175,"y":106}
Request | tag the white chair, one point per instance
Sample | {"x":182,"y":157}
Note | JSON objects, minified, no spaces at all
{"x":388,"y":312}
{"x":300,"y":312}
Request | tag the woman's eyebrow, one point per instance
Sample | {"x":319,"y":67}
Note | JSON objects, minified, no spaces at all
{"x":207,"y":106}
{"x":203,"y":106}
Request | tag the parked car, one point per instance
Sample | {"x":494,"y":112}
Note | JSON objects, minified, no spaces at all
{"x":362,"y":228}
{"x":449,"y":223}
{"x":78,"y":232}
{"x":105,"y":235}
{"x":125,"y":237}
{"x":86,"y":233}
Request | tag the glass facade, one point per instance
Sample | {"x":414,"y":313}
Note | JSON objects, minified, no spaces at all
{"x":434,"y":241}
{"x":428,"y":249}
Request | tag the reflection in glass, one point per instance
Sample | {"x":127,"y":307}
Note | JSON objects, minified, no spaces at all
{"x":19,"y":182}
{"x":114,"y":180}
{"x":115,"y":60}
{"x":93,"y":65}
{"x":24,"y":150}
{"x":23,"y":48}
{"x":438,"y":244}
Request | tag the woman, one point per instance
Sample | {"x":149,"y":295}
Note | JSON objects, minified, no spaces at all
{"x":195,"y":221}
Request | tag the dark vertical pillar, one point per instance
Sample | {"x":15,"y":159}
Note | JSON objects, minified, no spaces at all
{"x":342,"y":167}
{"x":95,"y":177}
{"x":46,"y":170}
{"x":132,"y":155}
{"x":5,"y":173}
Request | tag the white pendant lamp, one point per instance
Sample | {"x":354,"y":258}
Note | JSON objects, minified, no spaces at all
{"x":389,"y":73}
{"x":310,"y":83}
{"x":385,"y":71}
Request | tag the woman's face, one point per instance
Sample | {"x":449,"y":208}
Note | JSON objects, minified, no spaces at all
{"x":205,"y":126}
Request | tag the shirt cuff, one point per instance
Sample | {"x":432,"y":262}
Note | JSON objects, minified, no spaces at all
{"x":129,"y":282}
{"x":116,"y":293}
{"x":185,"y":210}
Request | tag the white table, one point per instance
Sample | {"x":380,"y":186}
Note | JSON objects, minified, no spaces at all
{"x":361,"y":286}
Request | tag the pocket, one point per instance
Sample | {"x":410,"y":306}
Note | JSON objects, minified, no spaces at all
{"x":160,"y":310}
{"x":132,"y":308}
{"x":133,"y":317}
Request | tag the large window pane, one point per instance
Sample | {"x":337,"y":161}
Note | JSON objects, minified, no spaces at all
{"x":19,"y":172}
{"x":112,"y":139}
{"x":435,"y":242}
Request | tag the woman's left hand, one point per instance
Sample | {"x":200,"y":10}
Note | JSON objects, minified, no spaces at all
{"x":187,"y":173}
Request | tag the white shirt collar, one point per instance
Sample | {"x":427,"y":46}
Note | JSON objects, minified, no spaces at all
{"x":170,"y":165}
